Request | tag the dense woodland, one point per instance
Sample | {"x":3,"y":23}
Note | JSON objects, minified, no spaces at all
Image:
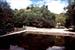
{"x":6,"y":16}
{"x":70,"y":21}
{"x":33,"y":16}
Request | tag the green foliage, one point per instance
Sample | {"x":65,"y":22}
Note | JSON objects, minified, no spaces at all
{"x":60,"y":18}
{"x":34,"y":16}
{"x":71,"y":16}
{"x":5,"y":17}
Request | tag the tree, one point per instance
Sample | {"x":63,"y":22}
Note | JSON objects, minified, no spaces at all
{"x":6,"y":24}
{"x":71,"y":16}
{"x":35,"y":16}
{"x":60,"y":18}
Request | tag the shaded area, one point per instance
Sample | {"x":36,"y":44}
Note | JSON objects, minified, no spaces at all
{"x":70,"y":43}
{"x":37,"y":41}
{"x":31,"y":41}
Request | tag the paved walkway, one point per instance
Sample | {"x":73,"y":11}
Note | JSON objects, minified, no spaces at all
{"x":33,"y":30}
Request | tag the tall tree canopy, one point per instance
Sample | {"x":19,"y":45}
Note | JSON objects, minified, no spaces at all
{"x":71,"y":16}
{"x":34,"y":16}
{"x":5,"y":17}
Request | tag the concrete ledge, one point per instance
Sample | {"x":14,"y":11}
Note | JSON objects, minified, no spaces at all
{"x":58,"y":32}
